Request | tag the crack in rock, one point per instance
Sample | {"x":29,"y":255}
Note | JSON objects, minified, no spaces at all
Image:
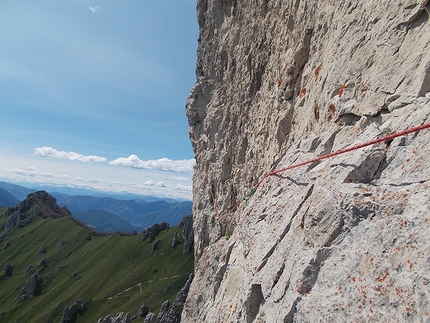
{"x":221,"y":271}
{"x":286,"y":230}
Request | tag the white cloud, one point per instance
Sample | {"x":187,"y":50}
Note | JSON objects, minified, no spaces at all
{"x":164,"y":164}
{"x":93,"y":9}
{"x":181,"y":187}
{"x":94,"y":176}
{"x":149,"y":183}
{"x":50,"y":152}
{"x":30,"y":171}
{"x":91,"y":180}
{"x":180,"y":178}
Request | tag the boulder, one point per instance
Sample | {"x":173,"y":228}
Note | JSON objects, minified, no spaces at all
{"x":42,"y":248}
{"x":8,"y":269}
{"x":32,"y":287}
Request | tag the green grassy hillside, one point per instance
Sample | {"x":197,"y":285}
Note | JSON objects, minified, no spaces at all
{"x":116,"y":273}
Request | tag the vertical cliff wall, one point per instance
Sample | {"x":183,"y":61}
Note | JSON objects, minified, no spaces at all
{"x":344,"y":239}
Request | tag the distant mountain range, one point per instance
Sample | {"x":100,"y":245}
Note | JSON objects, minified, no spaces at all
{"x":7,"y":199}
{"x":107,"y":213}
{"x":17,"y":191}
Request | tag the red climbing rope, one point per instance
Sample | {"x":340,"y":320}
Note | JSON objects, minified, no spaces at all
{"x":339,"y":152}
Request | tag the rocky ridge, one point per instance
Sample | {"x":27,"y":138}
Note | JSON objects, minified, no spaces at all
{"x":36,"y":204}
{"x":344,"y":239}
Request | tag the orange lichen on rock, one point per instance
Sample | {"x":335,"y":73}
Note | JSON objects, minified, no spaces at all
{"x":317,"y":71}
{"x":341,"y":90}
{"x":301,"y":93}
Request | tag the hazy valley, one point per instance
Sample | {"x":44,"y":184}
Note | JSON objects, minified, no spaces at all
{"x":108,"y":213}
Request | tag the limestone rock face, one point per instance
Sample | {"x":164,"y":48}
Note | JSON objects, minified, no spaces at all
{"x":341,"y":240}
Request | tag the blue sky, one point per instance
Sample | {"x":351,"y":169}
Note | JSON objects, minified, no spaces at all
{"x":93,"y":94}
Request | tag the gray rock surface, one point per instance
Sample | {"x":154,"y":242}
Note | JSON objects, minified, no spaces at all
{"x":36,"y":204}
{"x":42,"y":263}
{"x":119,"y":318}
{"x":149,"y":318}
{"x":187,"y":234}
{"x":143,"y":310}
{"x":341,"y":240}
{"x":42,"y":248}
{"x":155,"y":245}
{"x":32,"y":287}
{"x":175,"y":241}
{"x":163,"y":315}
{"x":70,"y":313}
{"x":30,"y":270}
{"x":171,"y":312}
{"x":150,"y":233}
{"x":8,"y":269}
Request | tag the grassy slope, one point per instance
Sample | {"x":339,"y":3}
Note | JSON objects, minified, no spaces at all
{"x":106,"y":266}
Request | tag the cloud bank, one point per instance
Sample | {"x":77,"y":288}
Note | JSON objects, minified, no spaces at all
{"x":31,"y":172}
{"x":93,"y":176}
{"x":49,"y":152}
{"x":163,"y":164}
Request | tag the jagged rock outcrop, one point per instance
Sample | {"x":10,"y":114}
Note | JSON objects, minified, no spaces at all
{"x":149,"y":318}
{"x":175,"y":240}
{"x":171,"y":312}
{"x":70,"y":313}
{"x":150,"y":233}
{"x":143,"y":310}
{"x":30,"y":270}
{"x":32,"y":287}
{"x":155,"y":245}
{"x":119,"y":318}
{"x":344,"y":239}
{"x":36,"y":204}
{"x":187,"y":233}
